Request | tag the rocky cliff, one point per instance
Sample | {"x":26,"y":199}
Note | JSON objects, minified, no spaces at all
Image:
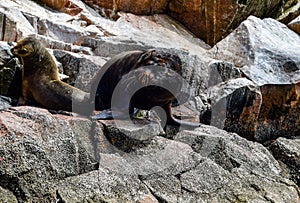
{"x":245,"y":92}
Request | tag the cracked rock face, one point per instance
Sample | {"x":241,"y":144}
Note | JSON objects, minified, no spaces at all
{"x":70,"y":159}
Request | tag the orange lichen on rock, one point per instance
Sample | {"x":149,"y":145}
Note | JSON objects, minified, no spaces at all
{"x":65,"y":6}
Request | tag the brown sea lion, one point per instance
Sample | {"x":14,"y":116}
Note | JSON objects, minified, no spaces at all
{"x":138,"y":79}
{"x":40,"y":79}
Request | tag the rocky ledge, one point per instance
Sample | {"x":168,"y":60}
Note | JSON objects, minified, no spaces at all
{"x":51,"y":157}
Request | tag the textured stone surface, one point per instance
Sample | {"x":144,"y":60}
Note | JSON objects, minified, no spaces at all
{"x":235,"y":106}
{"x":295,"y":25}
{"x":209,"y":20}
{"x":273,"y":68}
{"x":232,"y":171}
{"x":10,"y":73}
{"x":32,"y":156}
{"x":7,"y":196}
{"x":66,"y":158}
{"x":266,"y":51}
{"x":288,"y":151}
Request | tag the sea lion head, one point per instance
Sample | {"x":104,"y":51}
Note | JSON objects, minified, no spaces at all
{"x":26,"y":47}
{"x":162,"y":59}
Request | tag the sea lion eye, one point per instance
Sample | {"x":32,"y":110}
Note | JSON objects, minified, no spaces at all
{"x":23,"y":51}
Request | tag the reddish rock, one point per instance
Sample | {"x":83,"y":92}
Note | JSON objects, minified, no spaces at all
{"x":279,"y":112}
{"x":65,"y":6}
{"x":142,"y":7}
{"x":213,"y":20}
{"x":295,"y":25}
{"x":109,"y":8}
{"x":209,"y":20}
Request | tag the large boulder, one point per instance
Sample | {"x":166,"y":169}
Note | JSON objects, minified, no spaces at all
{"x":267,"y":53}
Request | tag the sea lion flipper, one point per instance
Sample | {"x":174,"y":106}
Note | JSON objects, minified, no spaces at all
{"x":109,"y":114}
{"x":103,"y":115}
{"x":173,"y":121}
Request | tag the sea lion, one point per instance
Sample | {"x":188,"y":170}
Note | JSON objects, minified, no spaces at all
{"x":40,"y":79}
{"x":138,"y":79}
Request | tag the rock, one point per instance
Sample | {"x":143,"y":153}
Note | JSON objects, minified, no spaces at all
{"x":5,"y":102}
{"x":295,"y":25}
{"x":156,"y":165}
{"x":127,"y":135}
{"x":80,"y":68}
{"x":291,"y":9}
{"x":55,"y":4}
{"x":251,"y":48}
{"x":235,"y":106}
{"x":103,"y":186}
{"x":273,"y":67}
{"x":279,"y":112}
{"x":232,"y":169}
{"x":67,"y":158}
{"x":288,"y":152}
{"x":38,"y":149}
{"x":210,"y":21}
{"x":7,"y":196}
{"x":222,"y":71}
{"x":110,"y":8}
{"x":66,"y":6}
{"x":16,"y":25}
{"x":10,"y":71}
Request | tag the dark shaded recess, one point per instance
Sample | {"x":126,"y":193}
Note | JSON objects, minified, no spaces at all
{"x":15,"y":87}
{"x":12,"y":184}
{"x":205,"y":116}
{"x":290,"y":159}
{"x":244,"y":2}
{"x":236,"y":102}
{"x":290,"y":67}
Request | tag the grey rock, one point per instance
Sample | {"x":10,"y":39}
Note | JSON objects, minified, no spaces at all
{"x":288,"y":152}
{"x":222,"y":71}
{"x":79,"y":68}
{"x":38,"y":148}
{"x":7,"y":196}
{"x":235,"y":106}
{"x":103,"y":186}
{"x":234,"y":170}
{"x":5,"y":102}
{"x":57,"y":157}
{"x":127,"y":135}
{"x":10,"y":72}
{"x":266,"y":51}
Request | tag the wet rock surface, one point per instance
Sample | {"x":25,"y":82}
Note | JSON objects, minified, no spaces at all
{"x":247,"y":86}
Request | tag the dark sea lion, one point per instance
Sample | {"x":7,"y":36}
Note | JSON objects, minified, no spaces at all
{"x":40,"y":79}
{"x":138,"y":79}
